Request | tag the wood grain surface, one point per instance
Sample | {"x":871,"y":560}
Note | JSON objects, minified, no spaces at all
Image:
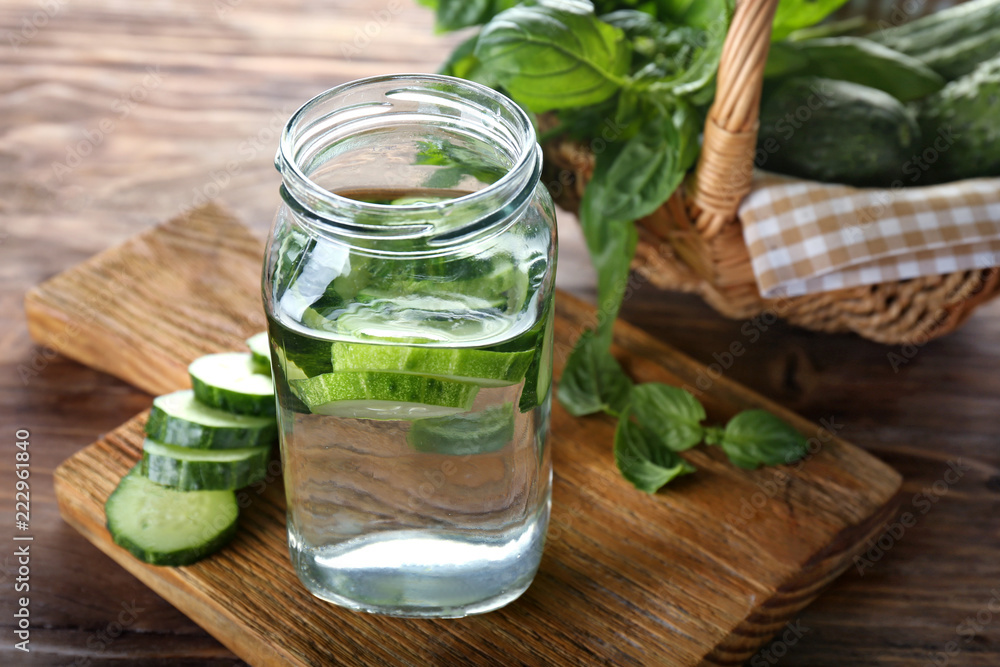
{"x":229,"y":71}
{"x":681,"y":574}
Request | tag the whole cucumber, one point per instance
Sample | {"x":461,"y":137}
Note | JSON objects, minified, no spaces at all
{"x":939,"y":28}
{"x":835,"y":132}
{"x":951,"y":42}
{"x":961,"y":126}
{"x":858,"y":60}
{"x":955,"y":60}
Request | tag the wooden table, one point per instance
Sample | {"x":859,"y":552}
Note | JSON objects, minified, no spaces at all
{"x":114,"y":116}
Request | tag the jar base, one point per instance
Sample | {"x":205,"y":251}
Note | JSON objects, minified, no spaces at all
{"x":422,"y":573}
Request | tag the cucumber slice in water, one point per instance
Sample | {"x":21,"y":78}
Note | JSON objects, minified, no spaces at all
{"x":227,"y":381}
{"x":485,"y":368}
{"x":260,"y":352}
{"x":164,"y":526}
{"x":189,"y":469}
{"x":181,"y":419}
{"x":462,"y":435}
{"x":310,"y":355}
{"x":538,"y":379}
{"x":384,"y":395}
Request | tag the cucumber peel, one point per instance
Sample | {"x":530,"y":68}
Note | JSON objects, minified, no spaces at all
{"x":181,"y":419}
{"x":485,"y":368}
{"x":379,"y":395}
{"x":189,"y":469}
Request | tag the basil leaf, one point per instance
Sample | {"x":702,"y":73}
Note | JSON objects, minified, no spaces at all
{"x":648,"y":168}
{"x":699,"y":13}
{"x":755,"y":437}
{"x":457,"y":163}
{"x":592,"y":380}
{"x":795,"y":14}
{"x":643,"y":459}
{"x":457,"y":14}
{"x":686,"y":68}
{"x":784,"y":59}
{"x":611,"y":242}
{"x":464,"y":64}
{"x":631,"y":180}
{"x":555,"y":54}
{"x":673,"y":414}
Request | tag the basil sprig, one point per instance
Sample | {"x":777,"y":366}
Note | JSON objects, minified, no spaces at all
{"x":644,"y":458}
{"x":656,"y":420}
{"x":592,"y":381}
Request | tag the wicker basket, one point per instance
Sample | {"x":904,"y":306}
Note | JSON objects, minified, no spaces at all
{"x":694,"y":243}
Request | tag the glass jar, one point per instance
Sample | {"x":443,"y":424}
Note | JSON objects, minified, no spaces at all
{"x":408,"y":285}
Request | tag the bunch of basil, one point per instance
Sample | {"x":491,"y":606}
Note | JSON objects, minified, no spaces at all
{"x":645,"y":68}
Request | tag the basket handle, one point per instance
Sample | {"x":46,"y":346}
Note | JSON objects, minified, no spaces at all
{"x":725,"y":167}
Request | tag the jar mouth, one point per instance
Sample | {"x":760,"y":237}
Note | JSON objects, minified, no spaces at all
{"x":327,"y":138}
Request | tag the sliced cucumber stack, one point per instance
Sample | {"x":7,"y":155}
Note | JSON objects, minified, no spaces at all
{"x":177,"y":505}
{"x":181,"y":419}
{"x":189,"y":469}
{"x":378,"y":395}
{"x":462,"y":435}
{"x":484,"y":368}
{"x":164,"y":526}
{"x":228,"y":381}
{"x":260,"y":352}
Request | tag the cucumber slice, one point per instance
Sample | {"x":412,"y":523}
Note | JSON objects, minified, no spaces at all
{"x":461,"y":435}
{"x":180,"y":419}
{"x":227,"y":381}
{"x":189,"y":469}
{"x":310,"y":355}
{"x":260,"y":352}
{"x":485,"y":368}
{"x":538,"y":379}
{"x":164,"y":526}
{"x":384,"y":395}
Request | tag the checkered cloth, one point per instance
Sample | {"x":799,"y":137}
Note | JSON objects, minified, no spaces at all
{"x":806,"y":237}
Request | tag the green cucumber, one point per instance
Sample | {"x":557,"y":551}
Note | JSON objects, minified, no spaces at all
{"x":956,"y":60}
{"x":485,"y":368}
{"x":851,"y":134}
{"x":384,"y":395}
{"x":462,"y":435}
{"x":938,"y":29}
{"x":164,"y":526}
{"x":960,"y":127}
{"x":953,"y":41}
{"x":189,"y":469}
{"x":181,"y":419}
{"x":228,"y":381}
{"x":260,"y":352}
{"x":857,"y":60}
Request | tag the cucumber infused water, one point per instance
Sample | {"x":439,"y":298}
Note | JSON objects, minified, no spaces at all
{"x":415,"y":456}
{"x":408,"y":287}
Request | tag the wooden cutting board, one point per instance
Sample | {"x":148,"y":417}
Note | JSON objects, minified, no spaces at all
{"x":702,"y":573}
